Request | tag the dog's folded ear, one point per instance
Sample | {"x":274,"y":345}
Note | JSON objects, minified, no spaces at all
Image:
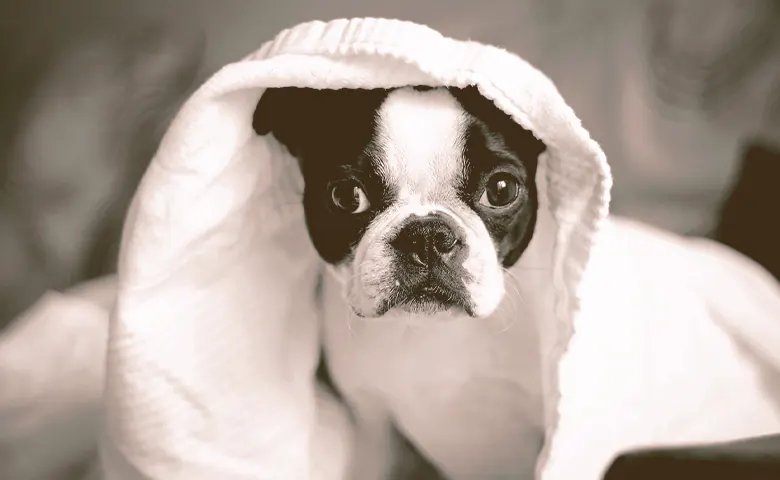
{"x":290,"y":114}
{"x":264,"y":115}
{"x":306,"y":119}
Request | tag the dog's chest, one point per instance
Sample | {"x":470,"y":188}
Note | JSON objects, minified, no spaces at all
{"x":476,"y":381}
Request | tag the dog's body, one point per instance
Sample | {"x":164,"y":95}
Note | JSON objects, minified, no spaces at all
{"x":419,"y":199}
{"x":464,"y":391}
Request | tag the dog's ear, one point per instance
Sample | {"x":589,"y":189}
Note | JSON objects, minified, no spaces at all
{"x":519,"y":139}
{"x":308,"y":120}
{"x":292,"y":115}
{"x":265,"y":117}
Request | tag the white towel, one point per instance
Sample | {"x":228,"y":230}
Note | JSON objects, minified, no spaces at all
{"x":214,"y":337}
{"x":647,"y":338}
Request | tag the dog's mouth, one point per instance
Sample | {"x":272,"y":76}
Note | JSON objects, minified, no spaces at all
{"x":427,"y":298}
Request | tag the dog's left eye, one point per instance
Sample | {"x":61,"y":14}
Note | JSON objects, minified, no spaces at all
{"x":501,"y":190}
{"x":349,"y":197}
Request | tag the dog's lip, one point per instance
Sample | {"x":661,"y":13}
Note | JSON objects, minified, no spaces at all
{"x":428,"y":290}
{"x":432,"y":289}
{"x":431,"y":295}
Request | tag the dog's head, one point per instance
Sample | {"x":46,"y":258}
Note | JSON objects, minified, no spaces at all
{"x":418,"y":197}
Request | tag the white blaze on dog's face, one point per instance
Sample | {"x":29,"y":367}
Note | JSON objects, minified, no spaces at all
{"x":421,"y":137}
{"x":417,"y":197}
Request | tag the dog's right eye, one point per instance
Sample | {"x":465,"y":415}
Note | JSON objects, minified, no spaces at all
{"x":501,"y":190}
{"x":349,"y":197}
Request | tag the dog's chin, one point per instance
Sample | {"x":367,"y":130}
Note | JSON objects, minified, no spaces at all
{"x":427,"y":304}
{"x":426,"y":301}
{"x":422,"y":304}
{"x":416,"y":308}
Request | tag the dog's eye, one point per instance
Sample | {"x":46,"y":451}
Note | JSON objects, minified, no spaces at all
{"x":501,"y":190}
{"x":349,"y":197}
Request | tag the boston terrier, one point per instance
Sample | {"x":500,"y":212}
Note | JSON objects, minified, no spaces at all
{"x":420,"y":200}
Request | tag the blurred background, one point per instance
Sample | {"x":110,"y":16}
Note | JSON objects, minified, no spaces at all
{"x":684,"y":97}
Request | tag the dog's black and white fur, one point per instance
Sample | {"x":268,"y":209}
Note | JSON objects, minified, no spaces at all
{"x":419,"y":199}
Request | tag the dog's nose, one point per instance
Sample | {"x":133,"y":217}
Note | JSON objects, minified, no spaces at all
{"x":428,"y":239}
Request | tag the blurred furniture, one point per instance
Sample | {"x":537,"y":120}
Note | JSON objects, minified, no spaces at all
{"x":749,"y":459}
{"x":750,"y":219}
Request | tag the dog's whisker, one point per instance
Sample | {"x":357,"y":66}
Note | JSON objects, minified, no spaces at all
{"x":511,"y":319}
{"x":521,"y":298}
{"x":514,"y":302}
{"x":517,"y":282}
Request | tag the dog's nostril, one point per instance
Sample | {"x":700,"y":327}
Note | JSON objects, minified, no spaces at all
{"x":413,"y":244}
{"x":445,"y":242}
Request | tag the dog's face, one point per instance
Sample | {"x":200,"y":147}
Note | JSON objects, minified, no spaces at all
{"x":418,"y":197}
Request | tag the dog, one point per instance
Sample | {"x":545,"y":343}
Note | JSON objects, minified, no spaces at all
{"x":419,"y":200}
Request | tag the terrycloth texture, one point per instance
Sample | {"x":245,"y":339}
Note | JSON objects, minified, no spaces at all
{"x":676,"y":343}
{"x":51,"y":381}
{"x":213,"y":341}
{"x":51,"y":377}
{"x":214,"y":337}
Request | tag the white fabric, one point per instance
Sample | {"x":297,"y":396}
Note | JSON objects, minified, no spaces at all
{"x":676,"y":343}
{"x":214,"y":336}
{"x":51,"y":377}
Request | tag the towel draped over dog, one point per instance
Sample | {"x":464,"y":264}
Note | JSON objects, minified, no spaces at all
{"x":646,"y":338}
{"x":214,"y":337}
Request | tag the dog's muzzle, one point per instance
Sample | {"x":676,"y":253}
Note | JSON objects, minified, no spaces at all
{"x":428,"y":252}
